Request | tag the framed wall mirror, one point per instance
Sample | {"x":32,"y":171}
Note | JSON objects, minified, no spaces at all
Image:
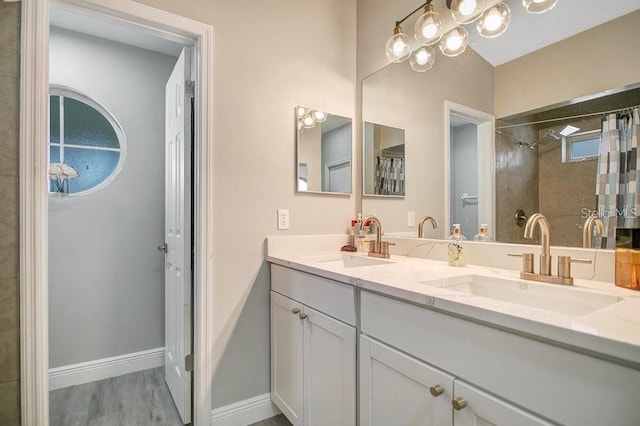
{"x":520,"y":89}
{"x":383,"y":161}
{"x":323,"y":152}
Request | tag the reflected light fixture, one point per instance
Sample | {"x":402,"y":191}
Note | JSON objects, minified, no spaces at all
{"x":319,"y":116}
{"x":397,"y":48}
{"x":538,"y":6}
{"x":423,"y":59}
{"x":466,"y":11}
{"x":569,"y":130}
{"x":429,"y":26}
{"x":494,"y":21}
{"x":454,"y":42}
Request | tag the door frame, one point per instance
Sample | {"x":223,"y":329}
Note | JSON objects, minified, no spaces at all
{"x":486,"y":162}
{"x":34,"y":106}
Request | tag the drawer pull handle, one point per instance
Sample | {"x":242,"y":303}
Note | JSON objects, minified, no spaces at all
{"x":436,"y":390}
{"x":458,"y":403}
{"x":302,"y":315}
{"x":295,"y":311}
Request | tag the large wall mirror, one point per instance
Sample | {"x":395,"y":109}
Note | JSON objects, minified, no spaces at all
{"x":571,"y":82}
{"x":323,"y":152}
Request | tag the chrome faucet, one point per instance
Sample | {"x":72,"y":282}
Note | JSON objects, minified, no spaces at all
{"x":421,"y":225}
{"x":564,"y":262}
{"x":377,"y":248}
{"x":545,"y":255}
{"x":587,"y":230}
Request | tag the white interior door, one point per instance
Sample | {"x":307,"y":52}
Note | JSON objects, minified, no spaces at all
{"x":178,"y":235}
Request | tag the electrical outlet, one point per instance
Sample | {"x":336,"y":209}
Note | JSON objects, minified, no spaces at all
{"x":283,"y":219}
{"x":411,"y":220}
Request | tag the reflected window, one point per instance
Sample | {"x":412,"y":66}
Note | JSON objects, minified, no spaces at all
{"x":85,"y":136}
{"x":581,"y":146}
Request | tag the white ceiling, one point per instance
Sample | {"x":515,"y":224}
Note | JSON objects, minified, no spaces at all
{"x":98,"y":25}
{"x":528,"y":32}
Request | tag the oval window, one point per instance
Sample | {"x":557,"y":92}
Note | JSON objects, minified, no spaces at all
{"x":86,"y":143}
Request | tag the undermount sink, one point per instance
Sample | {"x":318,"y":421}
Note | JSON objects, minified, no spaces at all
{"x":353,"y":261}
{"x":550,"y":297}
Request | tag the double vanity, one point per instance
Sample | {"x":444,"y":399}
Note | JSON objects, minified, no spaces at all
{"x":412,"y":341}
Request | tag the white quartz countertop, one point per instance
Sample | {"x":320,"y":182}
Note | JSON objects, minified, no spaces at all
{"x":612,"y":331}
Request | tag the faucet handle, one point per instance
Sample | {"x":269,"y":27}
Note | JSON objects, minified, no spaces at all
{"x":527,"y":261}
{"x":564,"y":265}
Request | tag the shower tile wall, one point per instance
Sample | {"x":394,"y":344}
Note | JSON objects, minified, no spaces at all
{"x":9,"y":231}
{"x":559,"y":181}
{"x":516,"y":180}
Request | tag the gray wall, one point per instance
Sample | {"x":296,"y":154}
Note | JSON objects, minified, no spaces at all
{"x":334,"y":148}
{"x":464,"y":178}
{"x":106,"y":286}
{"x":9,"y":207}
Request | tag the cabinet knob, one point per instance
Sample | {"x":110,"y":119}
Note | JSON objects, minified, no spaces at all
{"x":302,"y":315}
{"x":458,"y":403}
{"x":436,"y":390}
{"x":295,"y":311}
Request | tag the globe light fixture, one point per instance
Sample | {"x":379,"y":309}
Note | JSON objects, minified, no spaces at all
{"x":397,"y":48}
{"x":423,"y":59}
{"x":429,"y":26}
{"x":538,"y":6}
{"x":494,"y":21}
{"x":454,"y":42}
{"x":466,"y":11}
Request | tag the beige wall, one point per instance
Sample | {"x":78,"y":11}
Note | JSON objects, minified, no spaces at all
{"x":9,"y":207}
{"x":591,"y":62}
{"x":268,"y":58}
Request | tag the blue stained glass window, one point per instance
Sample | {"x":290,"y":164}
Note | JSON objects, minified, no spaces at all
{"x":84,"y":136}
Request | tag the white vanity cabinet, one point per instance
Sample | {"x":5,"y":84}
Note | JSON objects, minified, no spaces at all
{"x":396,"y":389}
{"x":313,"y":348}
{"x":503,"y":378}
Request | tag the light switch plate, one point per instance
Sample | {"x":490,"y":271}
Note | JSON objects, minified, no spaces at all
{"x":411,"y":220}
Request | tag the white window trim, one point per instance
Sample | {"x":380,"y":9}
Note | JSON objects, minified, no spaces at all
{"x":576,"y":137}
{"x":68,"y":92}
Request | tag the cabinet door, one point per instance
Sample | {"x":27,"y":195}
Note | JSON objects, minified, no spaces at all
{"x":395,"y":389}
{"x":476,"y":408}
{"x":329,"y":371}
{"x":287,"y":333}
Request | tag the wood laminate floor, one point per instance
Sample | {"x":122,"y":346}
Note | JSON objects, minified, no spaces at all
{"x":136,"y":399}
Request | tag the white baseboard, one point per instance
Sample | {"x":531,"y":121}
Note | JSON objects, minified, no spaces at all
{"x":245,"y":412}
{"x":87,"y":372}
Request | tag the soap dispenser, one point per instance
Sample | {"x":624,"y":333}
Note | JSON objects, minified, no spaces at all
{"x":483,"y":233}
{"x":455,"y":249}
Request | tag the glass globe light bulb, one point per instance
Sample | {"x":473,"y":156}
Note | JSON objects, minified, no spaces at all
{"x":454,"y":42}
{"x":397,"y":48}
{"x":429,"y":26}
{"x":494,"y":21}
{"x":466,"y":11}
{"x":423,"y":59}
{"x":320,"y":116}
{"x":308,"y":122}
{"x":538,"y":6}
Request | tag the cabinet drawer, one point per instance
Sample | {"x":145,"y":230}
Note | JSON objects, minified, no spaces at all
{"x":331,"y":297}
{"x":557,"y":383}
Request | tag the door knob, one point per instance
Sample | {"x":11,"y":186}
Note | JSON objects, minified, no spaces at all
{"x":436,"y":390}
{"x":163,"y":248}
{"x":458,"y":403}
{"x":302,"y":315}
{"x":295,"y":311}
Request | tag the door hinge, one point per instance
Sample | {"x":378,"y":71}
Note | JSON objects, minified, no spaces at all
{"x":188,"y":362}
{"x":190,"y":88}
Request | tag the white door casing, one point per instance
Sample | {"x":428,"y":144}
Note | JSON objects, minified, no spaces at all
{"x":178,"y":235}
{"x":34,"y":128}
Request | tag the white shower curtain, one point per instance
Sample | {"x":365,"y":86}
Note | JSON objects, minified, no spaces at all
{"x":618,"y":179}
